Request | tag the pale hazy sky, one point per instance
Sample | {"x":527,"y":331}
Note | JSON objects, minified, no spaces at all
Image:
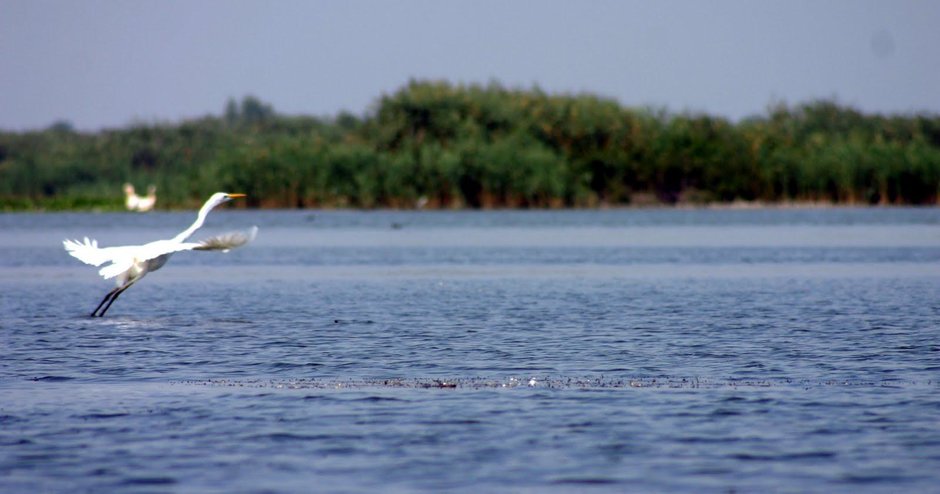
{"x":109,"y":63}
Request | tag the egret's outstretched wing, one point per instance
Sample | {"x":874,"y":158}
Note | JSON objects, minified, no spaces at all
{"x":227,"y":241}
{"x":123,"y":258}
{"x":88,"y":251}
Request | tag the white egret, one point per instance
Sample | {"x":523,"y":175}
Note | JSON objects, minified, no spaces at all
{"x":134,"y":202}
{"x":130,"y":263}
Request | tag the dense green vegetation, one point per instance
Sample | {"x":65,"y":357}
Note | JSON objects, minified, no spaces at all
{"x":447,"y":145}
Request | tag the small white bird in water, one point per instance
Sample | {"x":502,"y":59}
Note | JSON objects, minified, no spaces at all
{"x":130,"y":263}
{"x":134,"y":202}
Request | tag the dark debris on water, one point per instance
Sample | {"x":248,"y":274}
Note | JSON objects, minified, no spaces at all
{"x":537,"y":382}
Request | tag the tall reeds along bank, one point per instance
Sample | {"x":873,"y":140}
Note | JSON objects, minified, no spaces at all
{"x":443,"y":145}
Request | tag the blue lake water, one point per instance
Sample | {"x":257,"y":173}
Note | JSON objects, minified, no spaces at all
{"x":775,"y":350}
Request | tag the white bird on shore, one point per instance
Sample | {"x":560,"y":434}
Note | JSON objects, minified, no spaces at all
{"x":129,"y":263}
{"x":134,"y":202}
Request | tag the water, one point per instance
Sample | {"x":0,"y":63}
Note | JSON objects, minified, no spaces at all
{"x":599,"y":351}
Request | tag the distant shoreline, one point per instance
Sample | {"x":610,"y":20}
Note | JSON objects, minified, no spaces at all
{"x":725,"y":206}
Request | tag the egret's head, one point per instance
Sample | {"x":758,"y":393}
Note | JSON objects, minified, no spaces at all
{"x":219,"y":198}
{"x":128,"y":189}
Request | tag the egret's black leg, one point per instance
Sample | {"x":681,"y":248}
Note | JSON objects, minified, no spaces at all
{"x":105,"y":299}
{"x":114,"y":297}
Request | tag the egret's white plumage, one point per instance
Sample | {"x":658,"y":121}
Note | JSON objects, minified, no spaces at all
{"x":129,"y":263}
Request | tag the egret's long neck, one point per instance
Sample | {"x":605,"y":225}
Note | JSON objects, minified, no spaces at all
{"x":200,"y":219}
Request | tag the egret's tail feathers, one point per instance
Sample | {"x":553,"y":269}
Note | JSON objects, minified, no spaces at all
{"x":228,"y":241}
{"x":88,"y":251}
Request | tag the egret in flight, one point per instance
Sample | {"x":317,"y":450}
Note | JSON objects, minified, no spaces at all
{"x":129,"y":263}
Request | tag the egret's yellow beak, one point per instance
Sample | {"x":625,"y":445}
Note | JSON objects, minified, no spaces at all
{"x":235,"y":196}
